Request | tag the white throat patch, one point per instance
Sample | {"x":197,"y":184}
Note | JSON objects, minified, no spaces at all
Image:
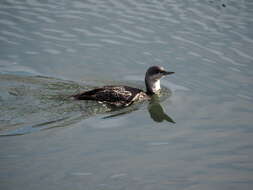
{"x":155,"y":85}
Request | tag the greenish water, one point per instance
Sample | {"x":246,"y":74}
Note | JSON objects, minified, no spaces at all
{"x":197,"y":135}
{"x":34,"y":103}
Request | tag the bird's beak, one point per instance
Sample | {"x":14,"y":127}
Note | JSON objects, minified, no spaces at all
{"x":168,"y":73}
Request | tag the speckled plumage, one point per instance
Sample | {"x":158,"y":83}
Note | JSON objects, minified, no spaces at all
{"x":114,"y":95}
{"x":125,"y":95}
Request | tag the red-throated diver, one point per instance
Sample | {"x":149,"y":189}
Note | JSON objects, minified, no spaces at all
{"x":125,"y":95}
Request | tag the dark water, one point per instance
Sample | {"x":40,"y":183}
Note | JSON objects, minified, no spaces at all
{"x":51,"y":49}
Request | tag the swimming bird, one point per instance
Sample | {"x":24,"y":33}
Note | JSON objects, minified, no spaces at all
{"x":122,"y":96}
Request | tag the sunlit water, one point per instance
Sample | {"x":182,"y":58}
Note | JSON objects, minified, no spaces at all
{"x":198,"y":135}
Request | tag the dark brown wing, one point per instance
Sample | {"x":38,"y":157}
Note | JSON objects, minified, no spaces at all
{"x":111,"y":94}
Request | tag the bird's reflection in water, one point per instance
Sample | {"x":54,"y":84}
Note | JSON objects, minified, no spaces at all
{"x":155,"y":110}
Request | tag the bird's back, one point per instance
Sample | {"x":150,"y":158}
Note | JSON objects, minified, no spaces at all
{"x":114,"y":95}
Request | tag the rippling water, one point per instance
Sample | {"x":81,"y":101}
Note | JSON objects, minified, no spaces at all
{"x":50,"y":49}
{"x":34,"y":103}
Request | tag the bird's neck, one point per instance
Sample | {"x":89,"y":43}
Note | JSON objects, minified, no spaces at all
{"x":153,"y":86}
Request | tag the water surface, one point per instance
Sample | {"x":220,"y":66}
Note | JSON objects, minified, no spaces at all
{"x":52,"y":49}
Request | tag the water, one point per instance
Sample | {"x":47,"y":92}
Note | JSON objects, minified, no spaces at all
{"x":50,"y":50}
